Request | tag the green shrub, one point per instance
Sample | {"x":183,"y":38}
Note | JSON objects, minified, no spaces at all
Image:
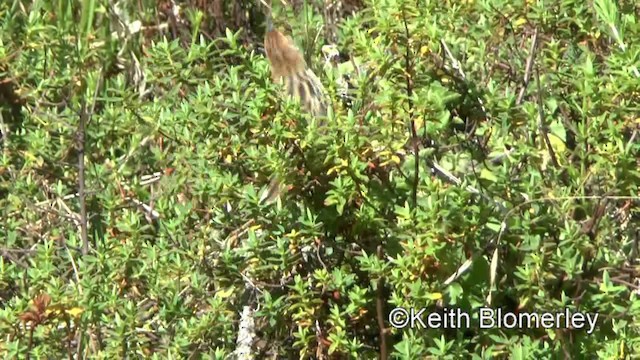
{"x":182,"y":134}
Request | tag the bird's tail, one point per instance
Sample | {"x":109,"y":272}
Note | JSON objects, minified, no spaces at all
{"x":273,"y":191}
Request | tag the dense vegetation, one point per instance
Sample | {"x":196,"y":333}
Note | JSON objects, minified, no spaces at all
{"x":484,"y":153}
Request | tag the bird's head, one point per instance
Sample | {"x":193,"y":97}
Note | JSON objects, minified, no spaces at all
{"x":284,"y":56}
{"x":289,"y":68}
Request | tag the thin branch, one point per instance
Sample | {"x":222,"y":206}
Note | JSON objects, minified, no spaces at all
{"x":7,"y":254}
{"x":529,"y":66}
{"x":75,"y":270}
{"x":80,"y":143}
{"x":543,"y":126}
{"x":449,"y":177}
{"x":380,"y":312}
{"x":458,"y":67}
{"x":409,"y":88}
{"x":144,"y":180}
{"x":85,"y":117}
{"x":149,"y":210}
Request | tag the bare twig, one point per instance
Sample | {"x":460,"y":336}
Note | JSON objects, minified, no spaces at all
{"x":448,"y":176}
{"x":73,"y":216}
{"x":4,"y":130}
{"x":144,"y":180}
{"x":250,"y":284}
{"x":380,"y":312}
{"x":231,"y":241}
{"x":320,"y":257}
{"x":409,"y":88}
{"x":75,"y":270}
{"x":85,"y":118}
{"x":458,"y":67}
{"x":7,"y":254}
{"x":150,"y":179}
{"x":149,"y":210}
{"x":543,"y":126}
{"x":529,"y":66}
{"x":80,"y":142}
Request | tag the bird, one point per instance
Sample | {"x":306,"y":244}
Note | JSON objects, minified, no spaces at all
{"x":289,"y":68}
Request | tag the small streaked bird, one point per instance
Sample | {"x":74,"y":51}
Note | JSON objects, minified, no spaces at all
{"x":289,"y":68}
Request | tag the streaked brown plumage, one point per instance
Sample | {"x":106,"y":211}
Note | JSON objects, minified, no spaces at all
{"x":289,"y":68}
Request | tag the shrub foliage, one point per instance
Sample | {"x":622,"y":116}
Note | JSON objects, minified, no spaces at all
{"x":486,"y":153}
